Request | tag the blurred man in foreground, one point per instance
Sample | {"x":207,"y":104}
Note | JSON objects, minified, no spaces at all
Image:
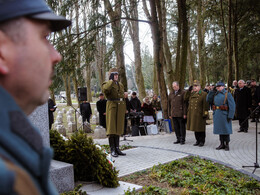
{"x":27,"y":61}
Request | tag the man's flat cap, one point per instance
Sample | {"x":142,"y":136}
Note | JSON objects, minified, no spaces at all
{"x":36,"y":9}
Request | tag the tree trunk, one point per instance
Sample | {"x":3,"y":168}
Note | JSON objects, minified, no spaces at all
{"x":118,"y":39}
{"x":166,"y":49}
{"x":157,"y":48}
{"x":66,"y":80}
{"x":235,"y":42}
{"x":230,"y":49}
{"x":88,"y":82}
{"x":78,"y":59}
{"x":190,"y":61}
{"x":178,"y":48}
{"x":201,"y":43}
{"x":184,"y":44}
{"x":134,"y":34}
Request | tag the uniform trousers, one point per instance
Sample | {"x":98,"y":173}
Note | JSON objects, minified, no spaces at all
{"x":200,"y":136}
{"x":224,"y":138}
{"x":179,"y":127}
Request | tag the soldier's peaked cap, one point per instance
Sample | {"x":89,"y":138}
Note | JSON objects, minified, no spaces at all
{"x":196,"y":83}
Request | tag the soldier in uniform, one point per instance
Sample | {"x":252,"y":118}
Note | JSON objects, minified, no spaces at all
{"x":115,"y":111}
{"x":178,"y":112}
{"x":101,"y":107}
{"x":197,"y":113}
{"x":223,"y":111}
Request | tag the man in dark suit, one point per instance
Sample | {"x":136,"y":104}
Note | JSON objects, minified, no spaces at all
{"x":243,"y":101}
{"x":178,"y":112}
{"x":101,"y":107}
{"x":85,"y":111}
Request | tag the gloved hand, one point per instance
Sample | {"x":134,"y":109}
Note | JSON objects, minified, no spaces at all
{"x":111,"y":77}
{"x":190,"y":88}
{"x":229,"y":119}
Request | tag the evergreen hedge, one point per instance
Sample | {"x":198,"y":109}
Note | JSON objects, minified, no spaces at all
{"x":89,"y":162}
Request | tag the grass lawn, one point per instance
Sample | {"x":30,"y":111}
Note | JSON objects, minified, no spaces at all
{"x":192,"y":175}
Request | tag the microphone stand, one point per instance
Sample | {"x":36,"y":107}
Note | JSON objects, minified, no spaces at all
{"x":76,"y":111}
{"x":256,"y":117}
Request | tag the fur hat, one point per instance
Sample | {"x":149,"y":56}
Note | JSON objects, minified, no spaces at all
{"x":113,"y":70}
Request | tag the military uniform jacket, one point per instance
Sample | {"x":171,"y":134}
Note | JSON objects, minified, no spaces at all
{"x":24,"y":161}
{"x":197,"y":112}
{"x":116,"y":108}
{"x":176,"y":105}
{"x":222,"y":118}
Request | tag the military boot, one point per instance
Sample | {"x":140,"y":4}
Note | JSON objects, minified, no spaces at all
{"x":221,"y":146}
{"x":227,"y":146}
{"x":118,"y":151}
{"x":112,"y":146}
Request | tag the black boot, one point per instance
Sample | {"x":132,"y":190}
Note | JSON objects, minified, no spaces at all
{"x":221,"y":146}
{"x":112,"y":146}
{"x":227,"y":146}
{"x":118,"y":151}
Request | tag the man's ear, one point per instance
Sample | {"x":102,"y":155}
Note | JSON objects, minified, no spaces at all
{"x":4,"y":41}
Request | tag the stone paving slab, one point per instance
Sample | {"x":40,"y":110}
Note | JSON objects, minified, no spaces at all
{"x":242,"y":150}
{"x":141,"y":158}
{"x":97,"y":189}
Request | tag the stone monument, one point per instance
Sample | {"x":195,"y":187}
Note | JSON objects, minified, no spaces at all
{"x":61,"y":173}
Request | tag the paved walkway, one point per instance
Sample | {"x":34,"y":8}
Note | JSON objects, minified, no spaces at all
{"x":154,"y":149}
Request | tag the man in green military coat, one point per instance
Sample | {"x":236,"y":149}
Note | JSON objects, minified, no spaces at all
{"x":115,"y":111}
{"x":197,"y":113}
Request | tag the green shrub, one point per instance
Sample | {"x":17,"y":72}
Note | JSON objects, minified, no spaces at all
{"x":89,"y":162}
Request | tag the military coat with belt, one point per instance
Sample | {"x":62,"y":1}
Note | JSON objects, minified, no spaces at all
{"x":197,"y":111}
{"x":222,"y":118}
{"x":116,"y":107}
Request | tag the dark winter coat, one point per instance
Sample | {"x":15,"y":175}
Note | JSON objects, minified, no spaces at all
{"x":51,"y":105}
{"x":85,"y":111}
{"x":222,"y":118}
{"x":115,"y":110}
{"x":197,"y":112}
{"x":101,"y":107}
{"x":156,"y":104}
{"x":243,"y":102}
{"x":136,"y":104}
{"x":147,"y":109}
{"x":176,"y":105}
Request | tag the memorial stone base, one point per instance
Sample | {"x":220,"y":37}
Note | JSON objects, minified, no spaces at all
{"x":62,"y":176}
{"x":61,"y":173}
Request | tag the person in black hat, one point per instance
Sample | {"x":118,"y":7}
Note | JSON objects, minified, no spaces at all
{"x":27,"y":60}
{"x":223,"y":111}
